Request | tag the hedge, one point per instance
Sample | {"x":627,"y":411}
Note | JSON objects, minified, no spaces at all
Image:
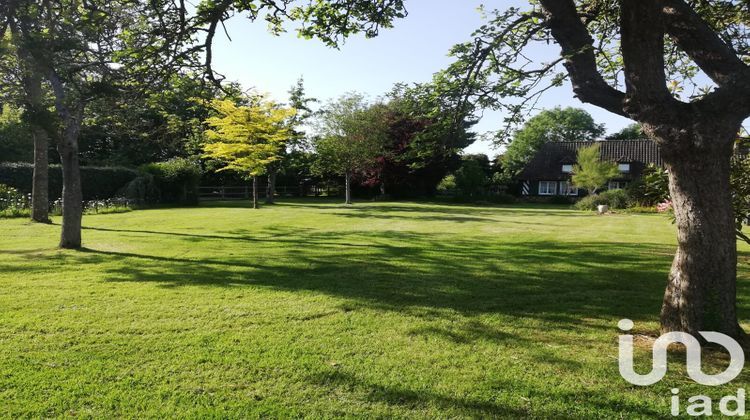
{"x":97,"y":182}
{"x":172,"y":182}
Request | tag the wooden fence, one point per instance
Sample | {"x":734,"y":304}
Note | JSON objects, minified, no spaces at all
{"x":227,"y":193}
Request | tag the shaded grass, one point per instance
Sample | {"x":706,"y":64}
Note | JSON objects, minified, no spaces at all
{"x":309,"y":308}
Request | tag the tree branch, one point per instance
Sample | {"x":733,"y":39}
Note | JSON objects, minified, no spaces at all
{"x":694,"y":36}
{"x":580,"y":61}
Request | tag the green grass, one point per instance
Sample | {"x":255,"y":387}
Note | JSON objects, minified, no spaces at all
{"x":314,"y":309}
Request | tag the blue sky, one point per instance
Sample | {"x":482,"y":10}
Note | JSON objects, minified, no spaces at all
{"x":412,"y":51}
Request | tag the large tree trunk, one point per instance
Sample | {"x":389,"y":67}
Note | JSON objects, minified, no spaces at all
{"x":271,"y":187}
{"x":701,"y":292}
{"x":348,"y":188}
{"x":40,"y":186}
{"x":72,"y":196}
{"x":255,"y":192}
{"x":40,"y":183}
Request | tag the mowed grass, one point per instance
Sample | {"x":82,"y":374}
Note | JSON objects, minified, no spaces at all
{"x":315,"y":309}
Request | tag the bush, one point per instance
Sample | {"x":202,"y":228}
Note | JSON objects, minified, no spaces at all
{"x":13,"y":203}
{"x":447,"y":185}
{"x":176,"y":180}
{"x":615,"y":199}
{"x":97,"y":182}
{"x":142,"y":190}
{"x":651,"y":189}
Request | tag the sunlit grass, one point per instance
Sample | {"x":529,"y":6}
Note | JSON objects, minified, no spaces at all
{"x":315,"y":309}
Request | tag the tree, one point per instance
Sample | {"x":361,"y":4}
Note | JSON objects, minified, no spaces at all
{"x":350,"y":138}
{"x":472,"y":177}
{"x":655,"y":47}
{"x":80,"y":50}
{"x":424,"y":136}
{"x":631,"y":132}
{"x":15,"y":135}
{"x":297,"y":144}
{"x":23,"y":85}
{"x":247,"y":139}
{"x":591,"y":173}
{"x":551,"y":125}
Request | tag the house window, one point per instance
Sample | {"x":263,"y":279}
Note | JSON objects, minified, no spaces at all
{"x":567,"y":169}
{"x":624,"y":167}
{"x":617,"y":185}
{"x":547,"y":187}
{"x":567,"y":188}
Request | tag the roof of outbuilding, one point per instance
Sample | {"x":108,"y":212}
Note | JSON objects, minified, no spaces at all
{"x":548,"y":161}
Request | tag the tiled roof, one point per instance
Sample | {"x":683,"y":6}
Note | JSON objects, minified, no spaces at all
{"x":548,"y":161}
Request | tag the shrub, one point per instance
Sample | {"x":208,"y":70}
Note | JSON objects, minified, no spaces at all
{"x":448,"y":184}
{"x":142,"y":190}
{"x":615,"y":199}
{"x":177,"y":180}
{"x":13,"y":203}
{"x":470,"y":178}
{"x":652,"y":188}
{"x":97,"y":182}
{"x":559,"y":199}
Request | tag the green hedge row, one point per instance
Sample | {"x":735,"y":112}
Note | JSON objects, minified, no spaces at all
{"x":97,"y":182}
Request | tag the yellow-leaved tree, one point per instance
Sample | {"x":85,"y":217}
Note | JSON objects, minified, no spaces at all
{"x":247,"y":139}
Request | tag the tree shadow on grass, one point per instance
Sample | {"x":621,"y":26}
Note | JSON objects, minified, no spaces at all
{"x":400,"y":395}
{"x":405,"y":271}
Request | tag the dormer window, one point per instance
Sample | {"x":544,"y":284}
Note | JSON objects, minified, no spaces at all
{"x":624,"y":167}
{"x":567,"y":169}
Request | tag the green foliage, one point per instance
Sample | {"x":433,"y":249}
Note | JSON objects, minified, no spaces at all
{"x":247,"y":139}
{"x":97,"y":182}
{"x":175,"y":182}
{"x":652,"y":188}
{"x":631,"y":132}
{"x":350,"y":137}
{"x":552,"y":125}
{"x":740,"y":181}
{"x":16,"y":141}
{"x":590,"y":172}
{"x":471,"y":178}
{"x":615,"y":199}
{"x":153,"y":127}
{"x":447,"y":184}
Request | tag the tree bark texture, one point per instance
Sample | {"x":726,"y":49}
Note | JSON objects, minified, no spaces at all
{"x":72,"y":195}
{"x":40,"y":181}
{"x":701,"y":291}
{"x":255,"y":192}
{"x":348,"y":188}
{"x":271,"y":188}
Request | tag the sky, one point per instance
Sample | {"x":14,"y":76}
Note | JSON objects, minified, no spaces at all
{"x":412,"y":51}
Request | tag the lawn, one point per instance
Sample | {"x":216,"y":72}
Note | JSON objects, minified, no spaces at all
{"x":314,"y":309}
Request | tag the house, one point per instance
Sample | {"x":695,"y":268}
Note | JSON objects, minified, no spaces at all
{"x":549,"y":172}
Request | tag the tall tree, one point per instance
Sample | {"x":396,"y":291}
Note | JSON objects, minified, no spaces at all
{"x":23,"y":83}
{"x":79,"y":50}
{"x":425,"y":135}
{"x":297,"y":143}
{"x":651,"y":46}
{"x":350,"y":138}
{"x":551,"y":125}
{"x":247,"y":139}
